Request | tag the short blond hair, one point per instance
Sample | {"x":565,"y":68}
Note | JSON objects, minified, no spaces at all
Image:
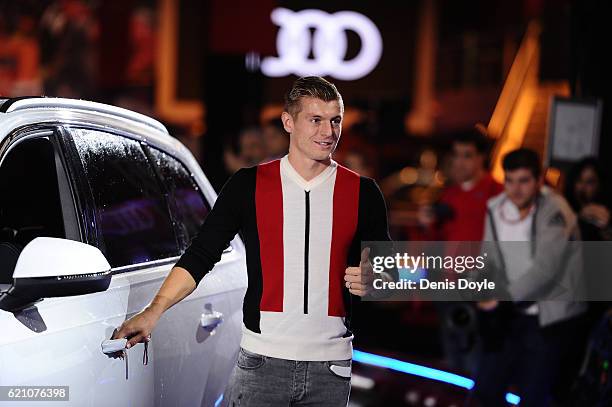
{"x":311,"y":86}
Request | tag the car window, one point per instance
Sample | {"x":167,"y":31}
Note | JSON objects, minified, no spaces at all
{"x":133,"y":221}
{"x":30,"y":203}
{"x":188,"y":204}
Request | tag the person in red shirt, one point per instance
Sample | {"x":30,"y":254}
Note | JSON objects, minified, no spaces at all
{"x":459,"y":215}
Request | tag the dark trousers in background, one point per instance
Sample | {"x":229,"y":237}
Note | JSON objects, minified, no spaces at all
{"x":520,"y":355}
{"x":459,"y":335}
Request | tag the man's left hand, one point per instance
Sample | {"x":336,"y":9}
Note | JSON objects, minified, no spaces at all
{"x":359,"y":279}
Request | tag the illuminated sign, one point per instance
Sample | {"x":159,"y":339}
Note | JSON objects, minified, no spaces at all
{"x":328,"y":44}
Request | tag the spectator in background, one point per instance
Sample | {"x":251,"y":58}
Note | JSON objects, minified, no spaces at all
{"x":460,"y":216}
{"x":137,"y":94}
{"x":252,"y":150}
{"x":527,"y":340}
{"x":19,"y":57}
{"x":586,"y":192}
{"x":276,"y":140}
{"x":69,"y":31}
{"x":460,"y":213}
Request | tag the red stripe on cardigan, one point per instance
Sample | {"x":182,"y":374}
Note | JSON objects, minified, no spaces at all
{"x":269,"y":209}
{"x":345,"y":213}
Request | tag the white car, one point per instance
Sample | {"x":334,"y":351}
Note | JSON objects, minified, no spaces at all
{"x":96,"y":205}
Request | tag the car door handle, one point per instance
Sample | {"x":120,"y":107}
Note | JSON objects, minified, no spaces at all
{"x":111,"y":346}
{"x":211,"y":320}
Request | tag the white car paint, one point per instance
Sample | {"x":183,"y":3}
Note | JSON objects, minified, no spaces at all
{"x":59,"y":257}
{"x":59,"y":342}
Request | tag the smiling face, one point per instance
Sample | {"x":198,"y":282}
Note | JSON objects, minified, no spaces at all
{"x":314,"y":128}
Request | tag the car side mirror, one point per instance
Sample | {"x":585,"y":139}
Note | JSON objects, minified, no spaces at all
{"x":51,"y":267}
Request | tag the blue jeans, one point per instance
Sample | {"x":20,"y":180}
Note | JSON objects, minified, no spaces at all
{"x":259,"y":380}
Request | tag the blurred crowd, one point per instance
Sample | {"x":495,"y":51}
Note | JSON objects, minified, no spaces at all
{"x":545,"y":350}
{"x":53,"y":47}
{"x":40,"y":43}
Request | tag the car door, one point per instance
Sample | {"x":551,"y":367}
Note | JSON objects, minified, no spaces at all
{"x":57,"y":341}
{"x":190,"y":362}
{"x":218,"y":298}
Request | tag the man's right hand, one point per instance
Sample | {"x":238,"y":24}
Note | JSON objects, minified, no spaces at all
{"x":176,"y":286}
{"x":139,"y":327}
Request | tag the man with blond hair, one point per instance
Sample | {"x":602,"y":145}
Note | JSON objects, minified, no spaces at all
{"x":302,"y":218}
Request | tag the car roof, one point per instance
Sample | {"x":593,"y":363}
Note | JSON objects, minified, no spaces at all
{"x":20,"y":112}
{"x":34,"y":102}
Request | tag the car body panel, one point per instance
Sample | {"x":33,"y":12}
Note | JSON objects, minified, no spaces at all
{"x":59,"y":341}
